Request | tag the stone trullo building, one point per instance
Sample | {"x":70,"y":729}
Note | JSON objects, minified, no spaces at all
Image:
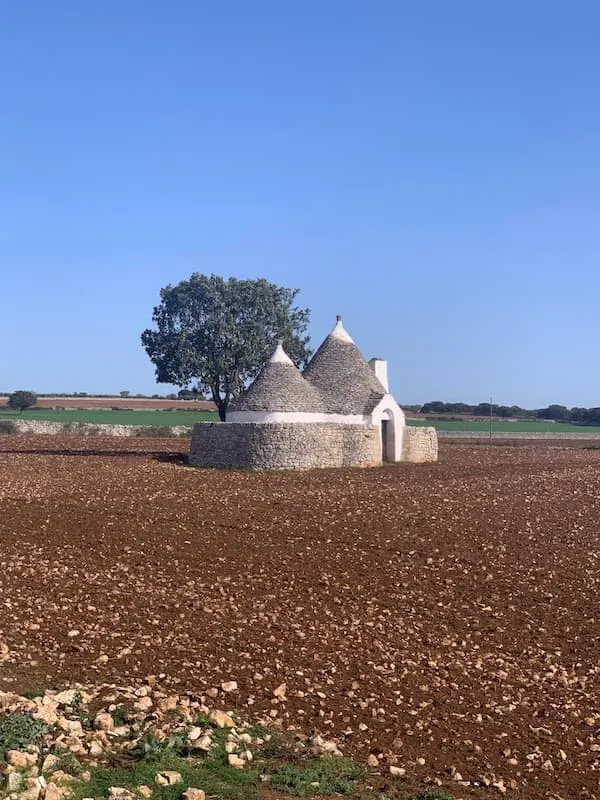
{"x":338,"y":412}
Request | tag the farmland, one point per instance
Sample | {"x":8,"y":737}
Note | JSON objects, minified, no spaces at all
{"x":99,"y":416}
{"x":446,"y":616}
{"x":504,"y":426}
{"x":189,"y":414}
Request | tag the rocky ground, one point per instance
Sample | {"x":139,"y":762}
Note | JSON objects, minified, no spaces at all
{"x":136,"y":743}
{"x":442,"y":620}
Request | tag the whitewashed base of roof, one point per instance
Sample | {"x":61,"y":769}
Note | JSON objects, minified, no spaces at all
{"x":298,"y":417}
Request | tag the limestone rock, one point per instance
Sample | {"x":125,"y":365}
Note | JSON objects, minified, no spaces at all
{"x":194,"y":794}
{"x":104,"y":721}
{"x":120,"y":793}
{"x":50,"y":763}
{"x":203,"y":743}
{"x":168,"y":778}
{"x":397,"y":772}
{"x":280,"y":692}
{"x":221,"y":719}
{"x":19,"y":758}
{"x":65,"y":698}
{"x":96,"y":748}
{"x":14,"y":781}
{"x":55,"y":792}
{"x":194,"y":734}
{"x":46,"y":714}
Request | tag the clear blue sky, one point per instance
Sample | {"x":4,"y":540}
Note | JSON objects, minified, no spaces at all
{"x":430,"y":169}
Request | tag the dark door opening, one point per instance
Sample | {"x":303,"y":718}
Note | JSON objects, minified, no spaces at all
{"x":385,"y":442}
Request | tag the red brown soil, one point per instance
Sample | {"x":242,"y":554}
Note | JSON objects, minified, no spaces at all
{"x":447,"y":612}
{"x":139,"y":403}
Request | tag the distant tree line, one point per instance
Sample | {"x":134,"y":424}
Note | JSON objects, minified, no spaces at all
{"x":555,"y":412}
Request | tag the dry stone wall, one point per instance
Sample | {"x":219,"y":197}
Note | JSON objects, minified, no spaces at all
{"x":283,"y":445}
{"x":419,"y":445}
{"x":45,"y":427}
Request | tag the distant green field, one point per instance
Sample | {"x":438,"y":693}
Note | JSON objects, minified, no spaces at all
{"x":106,"y":417}
{"x":154,"y":417}
{"x":501,"y":426}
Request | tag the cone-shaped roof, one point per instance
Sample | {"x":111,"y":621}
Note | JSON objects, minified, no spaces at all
{"x":343,"y":378}
{"x":279,"y":386}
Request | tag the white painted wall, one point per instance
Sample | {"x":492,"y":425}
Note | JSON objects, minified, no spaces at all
{"x":298,"y":417}
{"x":388,"y":408}
{"x":380,"y":368}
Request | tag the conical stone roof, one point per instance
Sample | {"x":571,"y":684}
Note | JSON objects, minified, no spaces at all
{"x":345,"y":381}
{"x":279,"y":386}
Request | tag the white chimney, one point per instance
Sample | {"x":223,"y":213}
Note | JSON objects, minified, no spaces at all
{"x":379,"y":367}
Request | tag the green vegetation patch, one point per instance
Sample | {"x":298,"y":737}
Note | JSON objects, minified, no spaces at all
{"x":213,"y":775}
{"x":321,"y":776}
{"x":97,"y":416}
{"x":19,"y":730}
{"x":502,"y":426}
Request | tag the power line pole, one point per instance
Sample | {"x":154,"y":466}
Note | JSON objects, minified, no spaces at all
{"x":491,"y":419}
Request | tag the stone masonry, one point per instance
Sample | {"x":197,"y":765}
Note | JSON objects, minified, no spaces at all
{"x":419,"y":445}
{"x":283,"y":445}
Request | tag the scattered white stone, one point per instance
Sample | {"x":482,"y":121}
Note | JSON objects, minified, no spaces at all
{"x":96,"y":748}
{"x":168,"y":778}
{"x":14,"y":781}
{"x":280,"y":692}
{"x":54,"y":792}
{"x":119,"y":793}
{"x":18,"y":758}
{"x":75,"y":727}
{"x":221,"y":719}
{"x":203,"y":743}
{"x":46,"y":714}
{"x":194,"y":794}
{"x":65,"y":698}
{"x":229,"y":686}
{"x":104,"y":721}
{"x":50,"y":763}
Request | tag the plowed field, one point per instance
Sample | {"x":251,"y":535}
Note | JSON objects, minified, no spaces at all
{"x":447,"y":616}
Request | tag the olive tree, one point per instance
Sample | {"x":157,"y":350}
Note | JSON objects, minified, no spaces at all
{"x":217,"y":333}
{"x":22,"y":399}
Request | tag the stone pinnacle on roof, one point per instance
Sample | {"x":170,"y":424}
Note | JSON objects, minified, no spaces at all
{"x":339,"y":332}
{"x":279,"y":355}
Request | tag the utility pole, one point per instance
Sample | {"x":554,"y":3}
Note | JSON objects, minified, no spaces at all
{"x":491,"y":419}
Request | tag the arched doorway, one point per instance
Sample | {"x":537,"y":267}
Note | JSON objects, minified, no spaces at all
{"x":388,"y":418}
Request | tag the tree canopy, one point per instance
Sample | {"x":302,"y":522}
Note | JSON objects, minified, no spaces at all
{"x":217,"y":333}
{"x":556,"y":412}
{"x":22,"y":399}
